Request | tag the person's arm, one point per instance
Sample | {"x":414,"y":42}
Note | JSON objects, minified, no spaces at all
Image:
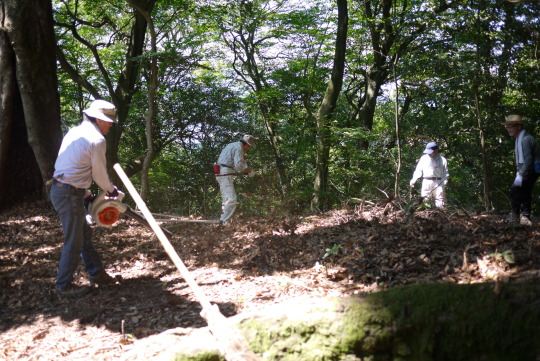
{"x":446,"y":174}
{"x":529,"y":145}
{"x":239,"y":160}
{"x":417,"y":172}
{"x":99,"y":167}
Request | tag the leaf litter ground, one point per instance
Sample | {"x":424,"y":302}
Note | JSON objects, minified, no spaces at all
{"x":242,"y":266}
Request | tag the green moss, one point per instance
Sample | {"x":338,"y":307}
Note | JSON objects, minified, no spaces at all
{"x":435,"y":322}
{"x":311,"y":336}
{"x":462,"y":322}
{"x":205,"y":356}
{"x":366,"y":328}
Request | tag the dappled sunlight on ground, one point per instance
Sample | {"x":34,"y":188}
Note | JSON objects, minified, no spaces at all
{"x":243,"y":266}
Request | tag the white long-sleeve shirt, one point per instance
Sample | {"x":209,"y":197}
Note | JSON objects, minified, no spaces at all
{"x":81,"y":158}
{"x":428,"y":167}
{"x":232,"y":156}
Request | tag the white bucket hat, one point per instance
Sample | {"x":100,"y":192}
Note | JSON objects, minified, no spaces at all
{"x":249,"y":139}
{"x":103,"y":110}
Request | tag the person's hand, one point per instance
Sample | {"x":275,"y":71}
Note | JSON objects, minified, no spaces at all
{"x":251,"y":174}
{"x":518,"y":181}
{"x":411,"y":183}
{"x":113,"y":194}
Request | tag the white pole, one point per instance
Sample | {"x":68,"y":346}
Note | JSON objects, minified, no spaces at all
{"x":201,"y":296}
{"x":231,"y":343}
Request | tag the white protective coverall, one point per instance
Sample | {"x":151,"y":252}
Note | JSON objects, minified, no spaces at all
{"x":434,"y":174}
{"x":231,"y":160}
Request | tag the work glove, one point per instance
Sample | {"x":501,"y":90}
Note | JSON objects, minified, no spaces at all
{"x":518,"y":181}
{"x":113,"y":194}
{"x":411,"y":183}
{"x":251,"y":174}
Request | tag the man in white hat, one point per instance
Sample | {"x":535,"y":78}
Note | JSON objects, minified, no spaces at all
{"x":527,"y":155}
{"x":80,"y":161}
{"x":433,"y":169}
{"x":232,"y":160}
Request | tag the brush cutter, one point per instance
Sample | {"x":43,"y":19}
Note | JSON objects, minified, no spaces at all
{"x":105,"y":211}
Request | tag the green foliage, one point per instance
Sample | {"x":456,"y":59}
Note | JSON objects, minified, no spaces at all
{"x":261,"y":67}
{"x":334,"y":251}
{"x":507,"y":255}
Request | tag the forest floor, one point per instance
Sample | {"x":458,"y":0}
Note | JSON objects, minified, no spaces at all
{"x":242,"y":266}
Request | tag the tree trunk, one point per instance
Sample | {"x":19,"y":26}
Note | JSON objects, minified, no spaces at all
{"x":429,"y":322}
{"x":374,"y":80}
{"x":489,"y":87}
{"x":30,"y":108}
{"x":326,"y":111}
{"x":398,"y":132}
{"x":125,"y":88}
{"x":386,"y":20}
{"x":152,"y":108}
{"x":488,"y":204}
{"x":244,"y":47}
{"x":120,"y":94}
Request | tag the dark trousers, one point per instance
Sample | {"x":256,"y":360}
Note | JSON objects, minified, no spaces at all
{"x":521,"y":197}
{"x":69,"y":204}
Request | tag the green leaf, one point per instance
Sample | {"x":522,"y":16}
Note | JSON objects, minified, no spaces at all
{"x":509,"y":256}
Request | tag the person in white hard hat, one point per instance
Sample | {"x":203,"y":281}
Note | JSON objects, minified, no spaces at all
{"x":80,"y":161}
{"x":433,"y":169}
{"x":232,"y":160}
{"x":527,"y":154}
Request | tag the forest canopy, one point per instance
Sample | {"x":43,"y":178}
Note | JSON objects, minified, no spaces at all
{"x":413,"y":72}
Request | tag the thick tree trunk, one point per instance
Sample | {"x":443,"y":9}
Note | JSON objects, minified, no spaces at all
{"x":30,"y":106}
{"x":421,"y":322}
{"x":326,"y":111}
{"x":152,"y":107}
{"x":125,"y":88}
{"x":385,"y":20}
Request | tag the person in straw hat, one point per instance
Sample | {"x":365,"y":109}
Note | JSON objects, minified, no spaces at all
{"x":81,"y":160}
{"x":527,"y":157}
{"x":232,"y":160}
{"x":433,"y":169}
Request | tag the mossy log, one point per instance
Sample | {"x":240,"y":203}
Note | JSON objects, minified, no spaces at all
{"x":490,"y":322}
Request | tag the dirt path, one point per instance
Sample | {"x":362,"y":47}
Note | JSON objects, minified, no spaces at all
{"x":241,"y":267}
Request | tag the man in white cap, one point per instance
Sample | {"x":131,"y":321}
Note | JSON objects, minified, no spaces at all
{"x":80,"y":161}
{"x":527,"y":155}
{"x":232,"y":160}
{"x":433,"y":169}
